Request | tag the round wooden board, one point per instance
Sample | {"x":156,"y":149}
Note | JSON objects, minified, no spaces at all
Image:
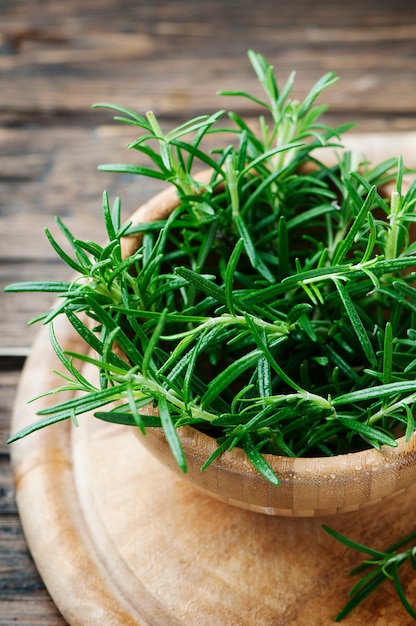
{"x":120,"y":540}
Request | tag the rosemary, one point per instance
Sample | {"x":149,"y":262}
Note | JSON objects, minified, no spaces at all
{"x":377,"y":568}
{"x":274,"y":308}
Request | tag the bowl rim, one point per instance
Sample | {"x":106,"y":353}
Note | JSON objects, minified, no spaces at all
{"x":195,"y":442}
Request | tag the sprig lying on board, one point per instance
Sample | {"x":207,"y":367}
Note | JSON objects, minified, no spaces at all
{"x":379,"y":567}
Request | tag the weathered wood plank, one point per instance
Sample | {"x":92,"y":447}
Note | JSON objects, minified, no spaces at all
{"x":10,"y":369}
{"x":23,"y":597}
{"x":7,"y":502}
{"x":53,"y":171}
{"x":17,"y":309}
{"x":44,"y":173}
{"x":178,"y":55}
{"x":57,"y":169}
{"x":36,"y":610}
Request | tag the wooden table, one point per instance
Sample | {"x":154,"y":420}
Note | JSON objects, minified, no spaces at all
{"x":58,"y":58}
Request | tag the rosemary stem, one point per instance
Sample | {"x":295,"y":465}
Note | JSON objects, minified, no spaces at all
{"x":392,"y":408}
{"x":156,"y":390}
{"x":278,"y":328}
{"x":232,"y":184}
{"x":393,"y":233}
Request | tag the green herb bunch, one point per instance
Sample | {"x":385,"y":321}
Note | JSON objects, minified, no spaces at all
{"x":378,"y":567}
{"x":274,"y":308}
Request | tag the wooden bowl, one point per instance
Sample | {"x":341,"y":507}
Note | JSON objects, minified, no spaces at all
{"x":308,"y":486}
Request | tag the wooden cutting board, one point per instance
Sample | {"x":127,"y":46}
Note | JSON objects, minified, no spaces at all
{"x":119,"y":540}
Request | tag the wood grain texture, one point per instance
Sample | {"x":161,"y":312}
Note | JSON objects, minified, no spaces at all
{"x":23,"y":597}
{"x":178,"y":55}
{"x":72,"y":190}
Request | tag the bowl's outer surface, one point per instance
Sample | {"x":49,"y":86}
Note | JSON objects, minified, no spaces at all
{"x":308,"y":486}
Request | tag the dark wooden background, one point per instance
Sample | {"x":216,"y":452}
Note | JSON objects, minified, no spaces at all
{"x":58,"y":58}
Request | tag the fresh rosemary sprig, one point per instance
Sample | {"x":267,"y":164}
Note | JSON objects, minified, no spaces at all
{"x":274,"y":308}
{"x":379,"y":567}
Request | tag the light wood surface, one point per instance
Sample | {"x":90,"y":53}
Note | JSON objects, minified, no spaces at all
{"x":58,"y":58}
{"x":119,"y":539}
